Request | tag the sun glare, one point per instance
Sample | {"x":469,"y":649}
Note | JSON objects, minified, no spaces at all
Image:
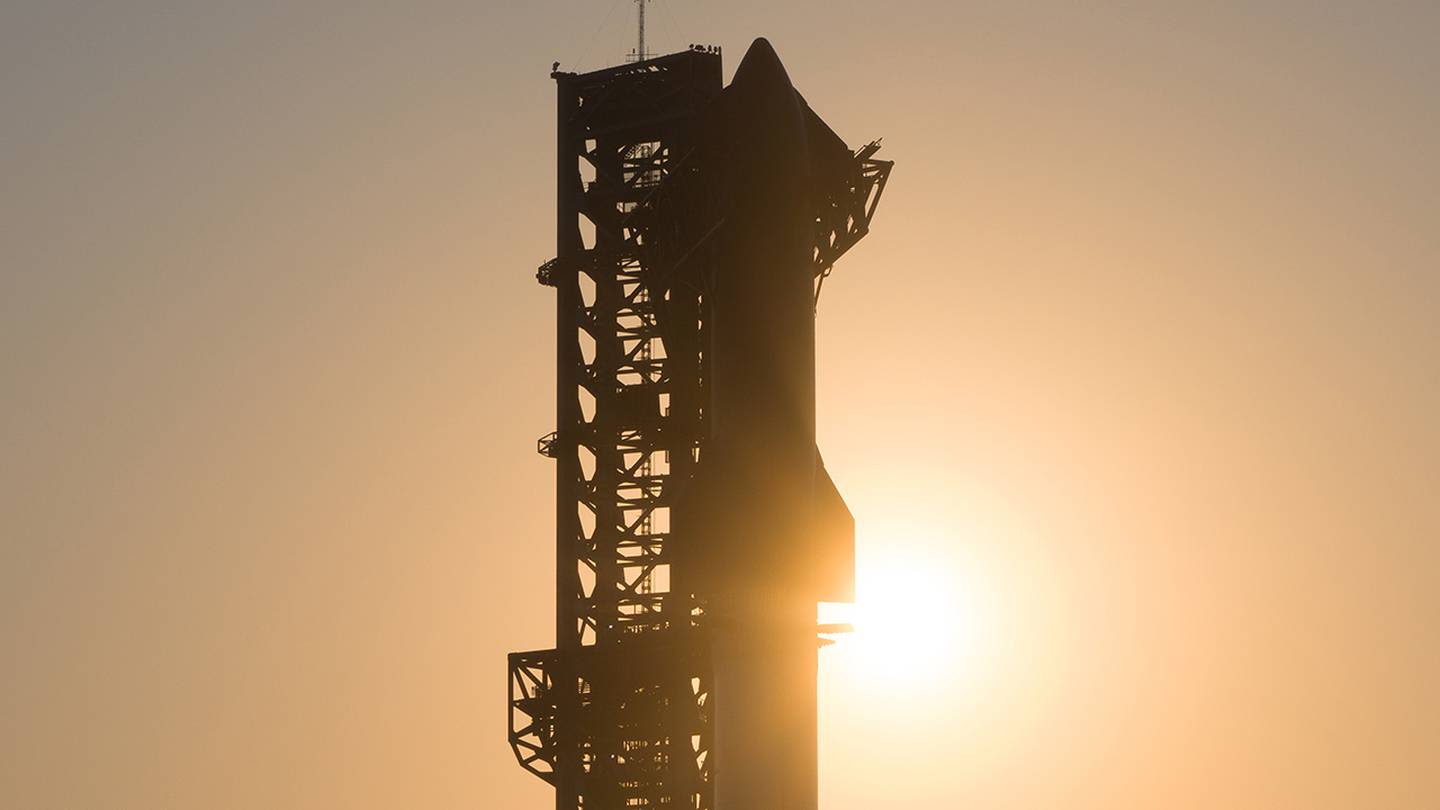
{"x":915,"y":620}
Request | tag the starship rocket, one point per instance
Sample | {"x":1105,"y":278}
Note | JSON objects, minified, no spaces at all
{"x":771,"y":534}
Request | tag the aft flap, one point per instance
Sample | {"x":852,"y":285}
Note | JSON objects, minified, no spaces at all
{"x":832,"y":540}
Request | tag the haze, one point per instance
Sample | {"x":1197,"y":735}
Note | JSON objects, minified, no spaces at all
{"x":1132,"y":391}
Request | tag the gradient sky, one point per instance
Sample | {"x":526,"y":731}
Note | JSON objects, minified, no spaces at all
{"x":1138,"y":371}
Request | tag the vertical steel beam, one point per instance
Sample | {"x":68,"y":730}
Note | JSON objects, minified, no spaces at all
{"x":568,"y":247}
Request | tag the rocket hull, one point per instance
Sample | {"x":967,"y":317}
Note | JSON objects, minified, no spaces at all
{"x":764,"y":512}
{"x":768,"y":533}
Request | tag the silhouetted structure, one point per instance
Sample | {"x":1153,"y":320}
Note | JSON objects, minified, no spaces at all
{"x":695,"y":526}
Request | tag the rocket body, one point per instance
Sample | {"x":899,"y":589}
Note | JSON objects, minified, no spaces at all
{"x":772,"y":534}
{"x":768,"y":521}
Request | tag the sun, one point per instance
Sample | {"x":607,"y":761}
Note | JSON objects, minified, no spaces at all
{"x":918,"y":618}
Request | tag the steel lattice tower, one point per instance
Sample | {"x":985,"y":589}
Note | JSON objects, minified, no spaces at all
{"x":615,"y":716}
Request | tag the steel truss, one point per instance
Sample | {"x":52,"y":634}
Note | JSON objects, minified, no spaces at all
{"x":614,"y":717}
{"x":845,"y":213}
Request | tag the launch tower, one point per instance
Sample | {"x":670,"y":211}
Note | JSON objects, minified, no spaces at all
{"x":622,"y":712}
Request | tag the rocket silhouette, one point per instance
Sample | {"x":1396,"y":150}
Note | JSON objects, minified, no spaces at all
{"x":767,"y":532}
{"x":766,"y":516}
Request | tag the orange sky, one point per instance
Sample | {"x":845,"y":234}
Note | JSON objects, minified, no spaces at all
{"x":1135,"y":379}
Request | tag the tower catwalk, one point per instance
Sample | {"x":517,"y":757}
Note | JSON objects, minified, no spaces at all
{"x":695,"y":526}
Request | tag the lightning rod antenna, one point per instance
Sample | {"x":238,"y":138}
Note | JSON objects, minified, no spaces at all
{"x":640,"y":54}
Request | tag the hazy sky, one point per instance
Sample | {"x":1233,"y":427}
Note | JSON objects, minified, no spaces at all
{"x":1137,"y":376}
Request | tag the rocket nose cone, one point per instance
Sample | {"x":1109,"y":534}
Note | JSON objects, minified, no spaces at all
{"x":761,"y":67}
{"x":761,"y":137}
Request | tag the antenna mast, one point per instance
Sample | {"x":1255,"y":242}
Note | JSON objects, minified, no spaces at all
{"x":640,"y":54}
